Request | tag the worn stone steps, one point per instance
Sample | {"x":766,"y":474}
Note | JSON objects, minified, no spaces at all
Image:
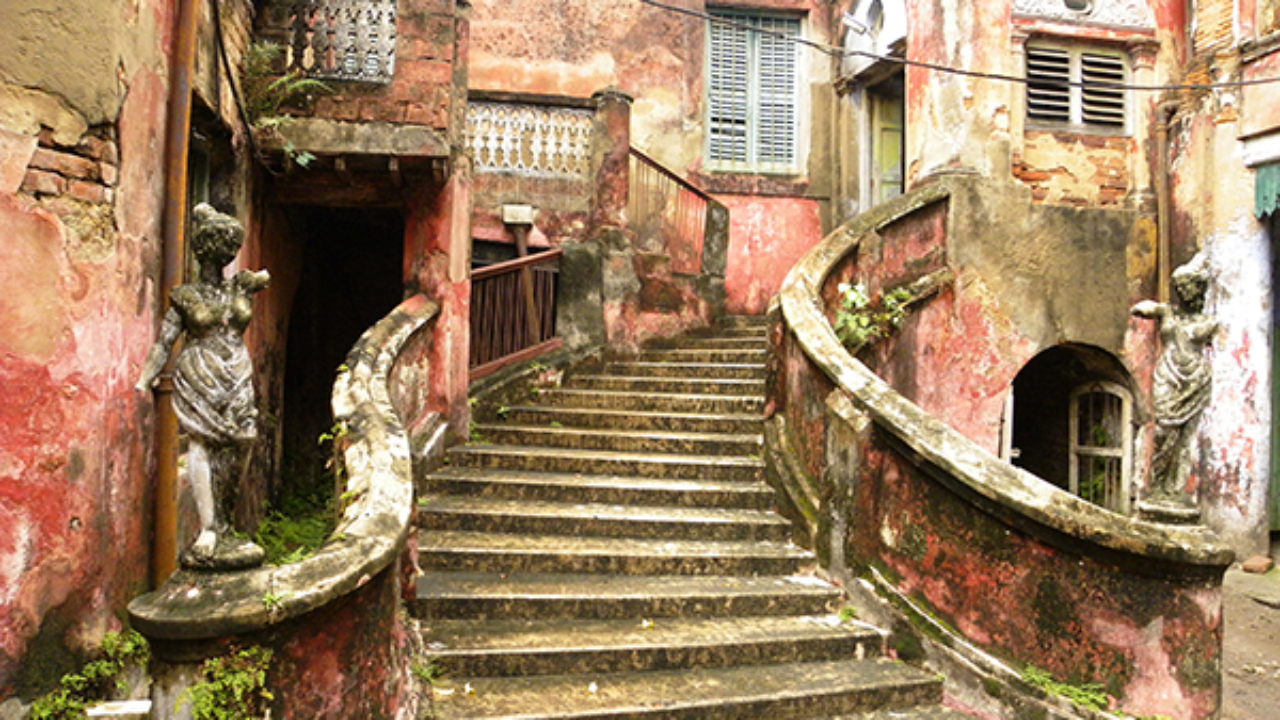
{"x":678,"y":385}
{"x":493,"y":595}
{"x":704,"y":355}
{"x":611,"y":489}
{"x":671,"y":384}
{"x":782,"y":690}
{"x":599,"y":520}
{"x":925,"y":712}
{"x":651,"y":401}
{"x":727,"y":371}
{"x":466,"y":648}
{"x":609,"y":550}
{"x":470,"y":551}
{"x":731,"y":423}
{"x":604,"y":462}
{"x":621,"y":440}
{"x":745,"y":340}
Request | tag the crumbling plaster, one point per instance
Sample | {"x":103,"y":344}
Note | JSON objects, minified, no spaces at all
{"x":80,"y":54}
{"x":82,"y":94}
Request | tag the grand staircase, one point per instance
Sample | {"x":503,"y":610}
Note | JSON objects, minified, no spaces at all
{"x":610,"y":552}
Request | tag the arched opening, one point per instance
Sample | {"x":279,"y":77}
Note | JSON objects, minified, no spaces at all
{"x":1071,"y":423}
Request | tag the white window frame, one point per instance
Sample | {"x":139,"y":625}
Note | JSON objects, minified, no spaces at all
{"x":1121,"y":449}
{"x":1082,"y":107}
{"x":749,"y":71}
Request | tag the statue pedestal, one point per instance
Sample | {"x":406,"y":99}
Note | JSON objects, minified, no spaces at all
{"x":1168,"y":511}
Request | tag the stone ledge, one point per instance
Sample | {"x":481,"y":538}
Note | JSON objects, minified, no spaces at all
{"x":195,"y":605}
{"x":334,"y":137}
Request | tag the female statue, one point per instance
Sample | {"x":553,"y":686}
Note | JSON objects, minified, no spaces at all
{"x":1183,"y":378}
{"x":213,"y":385}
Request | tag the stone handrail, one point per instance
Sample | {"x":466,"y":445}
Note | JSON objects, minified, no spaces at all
{"x":960,"y":463}
{"x":369,"y":537}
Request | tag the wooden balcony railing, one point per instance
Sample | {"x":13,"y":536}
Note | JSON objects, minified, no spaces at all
{"x":513,"y":311}
{"x":668,"y":214}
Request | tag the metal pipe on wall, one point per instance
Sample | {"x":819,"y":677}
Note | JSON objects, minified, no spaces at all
{"x":164,"y":550}
{"x":1164,"y":198}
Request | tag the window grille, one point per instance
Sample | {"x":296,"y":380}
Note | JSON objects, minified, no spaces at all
{"x":752,"y":92}
{"x":531,"y":140}
{"x":1076,"y":87}
{"x":351,"y":40}
{"x":1100,"y":436}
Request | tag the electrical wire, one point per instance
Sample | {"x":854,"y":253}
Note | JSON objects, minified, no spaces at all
{"x":838,"y":52}
{"x":220,"y":41}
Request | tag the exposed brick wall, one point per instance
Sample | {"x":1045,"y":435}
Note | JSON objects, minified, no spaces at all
{"x":63,"y":179}
{"x":1213,"y":24}
{"x":1079,"y":170}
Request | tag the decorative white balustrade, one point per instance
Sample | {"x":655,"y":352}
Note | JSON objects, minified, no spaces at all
{"x":350,"y":40}
{"x":533,"y":140}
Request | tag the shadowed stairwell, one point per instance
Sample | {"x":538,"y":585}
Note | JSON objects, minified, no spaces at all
{"x":610,"y":550}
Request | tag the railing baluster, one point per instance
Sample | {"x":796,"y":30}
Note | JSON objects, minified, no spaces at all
{"x":501,"y":331}
{"x":664,"y":208}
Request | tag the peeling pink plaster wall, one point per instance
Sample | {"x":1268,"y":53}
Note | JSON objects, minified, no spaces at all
{"x":78,"y":265}
{"x":766,"y":237}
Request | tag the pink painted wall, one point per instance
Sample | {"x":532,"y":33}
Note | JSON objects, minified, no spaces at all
{"x":766,"y":236}
{"x":80,"y":197}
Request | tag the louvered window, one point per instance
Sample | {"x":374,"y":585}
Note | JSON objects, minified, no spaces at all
{"x":1076,"y":87}
{"x":752,"y":92}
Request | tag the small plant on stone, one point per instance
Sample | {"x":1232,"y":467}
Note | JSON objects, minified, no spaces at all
{"x":860,"y":320}
{"x":97,"y":680}
{"x":235,"y":686}
{"x":426,"y":671}
{"x":848,"y":614}
{"x":271,"y":601}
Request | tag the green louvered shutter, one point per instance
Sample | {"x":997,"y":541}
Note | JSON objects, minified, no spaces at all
{"x":752,"y":91}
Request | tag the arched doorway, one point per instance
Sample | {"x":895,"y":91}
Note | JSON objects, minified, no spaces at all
{"x":1070,"y":422}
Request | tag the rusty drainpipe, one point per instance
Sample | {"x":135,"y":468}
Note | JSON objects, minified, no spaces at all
{"x":164,"y":549}
{"x":1164,"y":199}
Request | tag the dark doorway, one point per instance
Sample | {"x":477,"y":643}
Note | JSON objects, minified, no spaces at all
{"x":350,"y":277}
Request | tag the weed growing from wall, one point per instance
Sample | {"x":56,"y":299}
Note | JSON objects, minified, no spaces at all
{"x":1089,"y":695}
{"x":860,"y":320}
{"x":97,"y":680}
{"x":235,"y":686}
{"x":267,"y":95}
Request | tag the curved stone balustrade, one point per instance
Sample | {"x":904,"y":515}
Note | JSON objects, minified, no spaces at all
{"x":1000,"y":567}
{"x":369,"y":537}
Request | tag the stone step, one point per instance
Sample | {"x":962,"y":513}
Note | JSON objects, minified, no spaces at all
{"x":704,"y":355}
{"x":586,"y":520}
{"x":635,"y":420}
{"x":783,"y":690}
{"x":612,"y":489}
{"x":738,"y":371}
{"x":740,"y":321}
{"x":493,"y":595}
{"x":681,"y":385}
{"x":754,"y":340}
{"x":927,"y":712}
{"x":497,"y":648}
{"x":473,"y":551}
{"x":652,"y":402}
{"x":656,"y":441}
{"x":603,"y":462}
